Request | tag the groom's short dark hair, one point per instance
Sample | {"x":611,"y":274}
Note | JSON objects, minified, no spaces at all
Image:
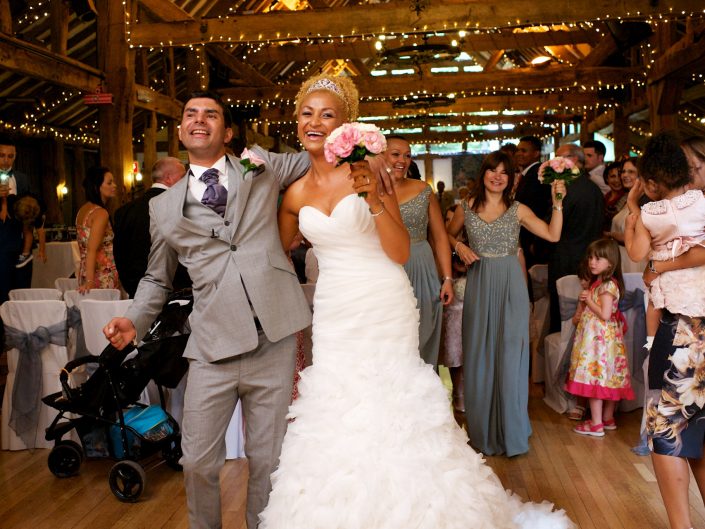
{"x":207,"y":94}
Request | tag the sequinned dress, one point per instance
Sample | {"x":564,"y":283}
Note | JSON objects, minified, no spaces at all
{"x":423,"y":274}
{"x":496,"y":337}
{"x":106,"y":275}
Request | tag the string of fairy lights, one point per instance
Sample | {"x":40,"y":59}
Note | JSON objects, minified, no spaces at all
{"x":244,"y":47}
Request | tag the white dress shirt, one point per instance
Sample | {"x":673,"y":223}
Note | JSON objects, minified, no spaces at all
{"x":197,"y":187}
{"x":596,"y":176}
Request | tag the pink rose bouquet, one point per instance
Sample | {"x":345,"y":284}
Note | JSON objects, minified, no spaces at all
{"x":558,"y":168}
{"x":351,"y":142}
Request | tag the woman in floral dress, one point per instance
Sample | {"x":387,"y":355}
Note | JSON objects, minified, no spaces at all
{"x":94,"y":233}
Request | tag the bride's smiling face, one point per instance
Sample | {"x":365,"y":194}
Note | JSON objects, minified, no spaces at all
{"x":320,"y":114}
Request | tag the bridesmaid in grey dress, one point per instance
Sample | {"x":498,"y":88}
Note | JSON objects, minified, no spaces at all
{"x":429,"y":247}
{"x":496,"y":307}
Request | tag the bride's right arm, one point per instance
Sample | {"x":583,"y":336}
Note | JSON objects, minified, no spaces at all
{"x":288,"y":219}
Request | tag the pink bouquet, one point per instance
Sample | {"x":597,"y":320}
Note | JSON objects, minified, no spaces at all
{"x":351,"y":142}
{"x":558,"y":168}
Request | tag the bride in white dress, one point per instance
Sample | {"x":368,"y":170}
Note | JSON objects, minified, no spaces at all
{"x":373,"y":443}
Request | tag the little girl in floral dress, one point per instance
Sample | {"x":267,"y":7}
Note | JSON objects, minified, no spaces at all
{"x":598,"y":369}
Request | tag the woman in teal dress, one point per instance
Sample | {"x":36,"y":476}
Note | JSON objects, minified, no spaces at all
{"x":429,"y":248}
{"x":496,"y":307}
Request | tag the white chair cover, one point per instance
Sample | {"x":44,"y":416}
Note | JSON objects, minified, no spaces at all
{"x":540,"y":320}
{"x":235,"y":435}
{"x":634,"y":282}
{"x":35,"y":294}
{"x":27,"y":316}
{"x":95,"y":313}
{"x":65,"y":283}
{"x":73,"y":299}
{"x":60,"y":263}
{"x":555,"y":345}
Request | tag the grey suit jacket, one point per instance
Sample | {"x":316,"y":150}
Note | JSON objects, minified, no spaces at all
{"x":229,"y":259}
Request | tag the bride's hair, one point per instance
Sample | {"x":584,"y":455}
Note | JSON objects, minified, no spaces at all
{"x":343,"y":87}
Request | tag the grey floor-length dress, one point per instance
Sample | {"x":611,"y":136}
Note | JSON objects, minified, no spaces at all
{"x":496,"y":338}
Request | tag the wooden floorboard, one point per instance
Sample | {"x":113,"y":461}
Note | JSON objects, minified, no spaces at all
{"x":599,"y":482}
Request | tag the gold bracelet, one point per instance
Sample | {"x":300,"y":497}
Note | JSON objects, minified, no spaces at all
{"x":379,"y":212}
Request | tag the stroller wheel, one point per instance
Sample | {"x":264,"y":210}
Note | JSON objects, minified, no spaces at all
{"x":127,"y":480}
{"x":171,"y":453}
{"x":65,"y":459}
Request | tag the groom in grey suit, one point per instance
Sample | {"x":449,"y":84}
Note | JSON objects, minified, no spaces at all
{"x":247,"y":305}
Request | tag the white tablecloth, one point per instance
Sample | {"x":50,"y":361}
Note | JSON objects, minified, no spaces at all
{"x":60,"y":263}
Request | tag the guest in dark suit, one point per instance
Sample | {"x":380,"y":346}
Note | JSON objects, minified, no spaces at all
{"x":531,"y":193}
{"x":583,"y":214}
{"x":132,"y":240}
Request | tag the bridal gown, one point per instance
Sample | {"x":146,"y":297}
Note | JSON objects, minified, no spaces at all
{"x":373,"y":443}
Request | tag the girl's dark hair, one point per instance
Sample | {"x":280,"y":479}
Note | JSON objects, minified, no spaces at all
{"x":609,"y":249}
{"x":492,"y":161}
{"x":95,"y":176}
{"x":664,"y":161}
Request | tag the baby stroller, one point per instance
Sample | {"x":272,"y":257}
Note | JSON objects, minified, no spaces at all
{"x":105,"y":412}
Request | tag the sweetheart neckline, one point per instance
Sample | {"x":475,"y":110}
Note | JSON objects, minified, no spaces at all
{"x":332,"y":210}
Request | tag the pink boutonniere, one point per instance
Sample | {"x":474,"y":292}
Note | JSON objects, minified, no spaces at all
{"x":251,"y":162}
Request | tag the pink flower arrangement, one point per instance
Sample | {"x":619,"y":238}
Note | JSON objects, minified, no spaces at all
{"x":558,"y":168}
{"x":351,"y":142}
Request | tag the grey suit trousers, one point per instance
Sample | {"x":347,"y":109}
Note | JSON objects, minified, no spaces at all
{"x":263,"y":379}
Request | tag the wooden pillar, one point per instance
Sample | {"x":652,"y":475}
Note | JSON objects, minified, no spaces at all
{"x":428,"y":167}
{"x":117,"y":61}
{"x":620,"y":132}
{"x":664,"y":96}
{"x":53,"y":173}
{"x":59,"y":26}
{"x":5,"y":17}
{"x":149,"y":139}
{"x":172,"y":125}
{"x":150,"y":147}
{"x":585,"y":134}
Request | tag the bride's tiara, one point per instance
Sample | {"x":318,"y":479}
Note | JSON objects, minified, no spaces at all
{"x":326,"y":84}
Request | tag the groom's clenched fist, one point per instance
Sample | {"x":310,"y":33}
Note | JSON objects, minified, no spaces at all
{"x":120,"y":332}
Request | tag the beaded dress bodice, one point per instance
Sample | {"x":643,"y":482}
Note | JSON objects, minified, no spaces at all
{"x":414,"y":213}
{"x":498,"y":238}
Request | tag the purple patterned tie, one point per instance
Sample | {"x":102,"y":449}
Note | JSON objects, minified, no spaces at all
{"x":216,"y":196}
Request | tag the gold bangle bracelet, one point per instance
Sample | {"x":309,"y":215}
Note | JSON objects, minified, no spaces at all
{"x":379,"y":212}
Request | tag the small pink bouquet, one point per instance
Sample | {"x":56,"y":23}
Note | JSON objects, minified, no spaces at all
{"x":558,"y":168}
{"x":351,"y":142}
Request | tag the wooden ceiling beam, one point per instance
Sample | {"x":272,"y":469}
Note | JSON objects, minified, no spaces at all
{"x":534,"y":103}
{"x":244,"y":71}
{"x":502,"y":80}
{"x":535,"y":120}
{"x":394,"y":17}
{"x":39,"y":63}
{"x":149,"y":99}
{"x":472,"y":43}
{"x":165,"y":10}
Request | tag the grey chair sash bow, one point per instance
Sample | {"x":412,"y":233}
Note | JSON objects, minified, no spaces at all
{"x":27,"y":391}
{"x":539,"y":288}
{"x":74,"y":321}
{"x":634,"y":300}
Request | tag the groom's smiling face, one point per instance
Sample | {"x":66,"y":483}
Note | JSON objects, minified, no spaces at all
{"x":203,"y":131}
